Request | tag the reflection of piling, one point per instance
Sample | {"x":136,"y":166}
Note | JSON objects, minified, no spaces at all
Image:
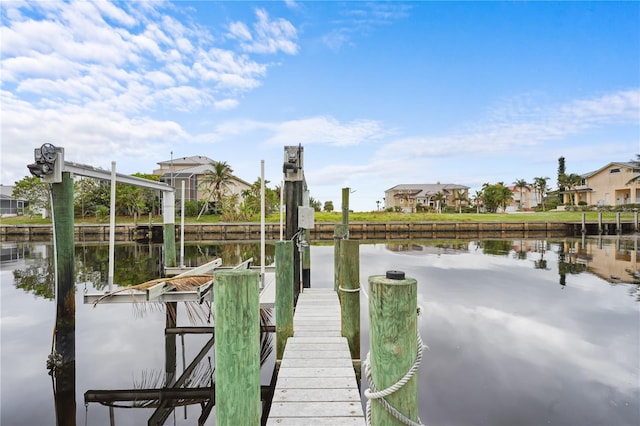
{"x":237,"y":349}
{"x":284,"y":295}
{"x":393,"y":344}
{"x":600,"y":222}
{"x":171,"y":313}
{"x":65,"y":339}
{"x":350,"y":294}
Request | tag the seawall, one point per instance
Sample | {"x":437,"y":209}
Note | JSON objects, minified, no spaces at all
{"x":322,"y":231}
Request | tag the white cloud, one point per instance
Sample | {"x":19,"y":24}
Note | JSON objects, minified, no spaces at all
{"x":91,"y":76}
{"x":269,"y":36}
{"x":362,"y":18}
{"x":509,"y":128}
{"x":326,"y":130}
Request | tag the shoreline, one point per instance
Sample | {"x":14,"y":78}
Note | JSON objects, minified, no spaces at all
{"x":324,"y":231}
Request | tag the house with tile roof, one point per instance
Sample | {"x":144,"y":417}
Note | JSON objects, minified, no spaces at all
{"x":411,"y":197}
{"x":607,"y":186}
{"x":191,"y":170}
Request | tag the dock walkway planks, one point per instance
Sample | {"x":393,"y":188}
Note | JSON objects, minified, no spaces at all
{"x":316,"y":382}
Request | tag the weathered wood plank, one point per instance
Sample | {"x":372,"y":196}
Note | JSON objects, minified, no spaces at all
{"x":317,"y":372}
{"x":292,"y":353}
{"x":315,"y":362}
{"x":316,"y":409}
{"x":318,"y":421}
{"x":319,"y":395}
{"x":311,"y":333}
{"x":316,"y":383}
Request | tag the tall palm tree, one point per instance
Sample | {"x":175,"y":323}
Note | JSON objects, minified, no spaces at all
{"x":571,"y":182}
{"x":216,"y":181}
{"x":540,"y":185}
{"x":636,"y":169}
{"x":459,"y":196}
{"x":505,"y":196}
{"x":439,"y":197}
{"x":477,"y":198}
{"x":521,"y":184}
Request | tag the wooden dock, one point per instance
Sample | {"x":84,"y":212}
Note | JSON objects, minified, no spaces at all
{"x":316,"y":382}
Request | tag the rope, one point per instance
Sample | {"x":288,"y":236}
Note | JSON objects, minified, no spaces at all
{"x":349,"y":290}
{"x":373,"y":393}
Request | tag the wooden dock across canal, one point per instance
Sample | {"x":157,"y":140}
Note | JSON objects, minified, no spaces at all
{"x":316,"y":382}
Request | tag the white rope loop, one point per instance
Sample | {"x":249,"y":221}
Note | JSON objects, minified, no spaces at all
{"x":349,"y":290}
{"x":373,"y":393}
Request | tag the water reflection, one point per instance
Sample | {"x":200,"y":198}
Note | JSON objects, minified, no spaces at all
{"x":519,"y":332}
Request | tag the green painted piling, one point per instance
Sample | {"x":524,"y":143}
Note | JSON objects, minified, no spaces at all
{"x":237,"y":348}
{"x":284,"y":295}
{"x":350,"y":294}
{"x":393,"y":343}
{"x":169,"y":242}
{"x":65,"y":332}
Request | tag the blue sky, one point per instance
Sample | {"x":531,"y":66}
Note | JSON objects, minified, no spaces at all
{"x":378,"y":93}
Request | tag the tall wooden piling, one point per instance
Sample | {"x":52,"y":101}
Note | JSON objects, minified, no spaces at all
{"x":583,"y":228}
{"x":237,"y":349}
{"x":65,"y":332}
{"x":340,"y":232}
{"x":284,"y":295}
{"x":618,"y":224}
{"x":350,"y":294}
{"x":293,"y":199}
{"x":306,"y":260}
{"x":393,"y":343}
{"x":169,"y":228}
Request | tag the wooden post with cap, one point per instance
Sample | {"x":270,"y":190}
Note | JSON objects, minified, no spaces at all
{"x":393,"y":343}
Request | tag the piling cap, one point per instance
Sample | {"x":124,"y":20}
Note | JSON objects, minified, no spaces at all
{"x":395,"y":275}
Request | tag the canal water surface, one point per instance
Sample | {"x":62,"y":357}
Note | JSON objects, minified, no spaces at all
{"x":519,"y":332}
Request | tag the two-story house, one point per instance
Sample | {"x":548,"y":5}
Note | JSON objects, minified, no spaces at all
{"x":191,"y":171}
{"x":608,"y":186}
{"x":409,"y":197}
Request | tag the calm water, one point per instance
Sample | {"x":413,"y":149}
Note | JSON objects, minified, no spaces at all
{"x":519,"y":332}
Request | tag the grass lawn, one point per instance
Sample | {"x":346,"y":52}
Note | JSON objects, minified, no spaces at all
{"x":335,"y":217}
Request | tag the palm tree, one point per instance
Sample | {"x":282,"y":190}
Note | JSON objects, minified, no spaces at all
{"x":439,"y":197}
{"x":505,"y":196}
{"x":636,"y":169}
{"x":477,"y":198}
{"x":570,"y":182}
{"x":459,"y":196}
{"x":521,"y":184}
{"x":540,"y":185}
{"x":216,"y":181}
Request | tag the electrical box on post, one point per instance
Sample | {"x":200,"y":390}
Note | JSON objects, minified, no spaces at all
{"x":306,"y":217}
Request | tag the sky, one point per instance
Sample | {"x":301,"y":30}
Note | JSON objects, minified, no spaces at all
{"x":377,"y":93}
